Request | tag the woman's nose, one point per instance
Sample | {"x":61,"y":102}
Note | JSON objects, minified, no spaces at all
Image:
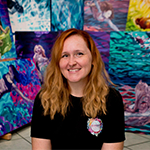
{"x":72,"y":61}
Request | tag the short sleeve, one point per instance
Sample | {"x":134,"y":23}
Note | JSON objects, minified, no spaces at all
{"x":40,"y":124}
{"x":114,"y":126}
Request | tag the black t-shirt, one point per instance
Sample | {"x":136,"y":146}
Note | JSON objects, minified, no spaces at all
{"x":74,"y":132}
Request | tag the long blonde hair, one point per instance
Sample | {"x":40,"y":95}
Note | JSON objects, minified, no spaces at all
{"x":55,"y":91}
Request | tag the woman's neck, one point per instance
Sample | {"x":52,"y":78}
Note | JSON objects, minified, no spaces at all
{"x":77,"y":89}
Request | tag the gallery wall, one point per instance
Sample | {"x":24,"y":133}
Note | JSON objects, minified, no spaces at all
{"x":119,"y":28}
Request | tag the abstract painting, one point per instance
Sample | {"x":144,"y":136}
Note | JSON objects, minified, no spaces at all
{"x":66,"y":14}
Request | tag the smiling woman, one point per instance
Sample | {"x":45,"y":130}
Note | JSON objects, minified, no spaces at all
{"x":76,"y":101}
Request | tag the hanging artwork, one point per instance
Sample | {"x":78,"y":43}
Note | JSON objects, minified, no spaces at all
{"x":129,"y":68}
{"x":138,"y":16}
{"x":29,"y":15}
{"x":19,"y":84}
{"x":7,"y":46}
{"x":105,"y":15}
{"x":36,"y":45}
{"x":66,"y":14}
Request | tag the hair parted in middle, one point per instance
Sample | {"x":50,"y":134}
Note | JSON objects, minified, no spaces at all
{"x":55,"y":91}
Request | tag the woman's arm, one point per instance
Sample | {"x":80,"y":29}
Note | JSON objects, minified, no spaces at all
{"x":113,"y":146}
{"x":41,"y":144}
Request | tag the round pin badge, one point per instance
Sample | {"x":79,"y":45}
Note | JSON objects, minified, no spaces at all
{"x":94,"y":126}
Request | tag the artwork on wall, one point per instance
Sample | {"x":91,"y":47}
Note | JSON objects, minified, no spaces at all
{"x":36,"y":45}
{"x":138,"y":16}
{"x":29,"y":15}
{"x":19,"y":85}
{"x":101,"y":40}
{"x":129,"y":64}
{"x":7,"y":46}
{"x":105,"y":15}
{"x":66,"y":14}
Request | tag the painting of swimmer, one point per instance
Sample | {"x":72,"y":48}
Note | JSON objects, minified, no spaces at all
{"x":7,"y":46}
{"x":101,"y":40}
{"x":36,"y":45}
{"x":19,"y":84}
{"x":27,"y":15}
{"x":129,"y":68}
{"x":105,"y":15}
{"x":66,"y":14}
{"x":138,"y":16}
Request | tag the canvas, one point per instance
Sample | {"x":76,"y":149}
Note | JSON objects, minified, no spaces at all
{"x":66,"y":14}
{"x":105,"y":15}
{"x":36,"y":45}
{"x":129,"y":65}
{"x":138,"y":16}
{"x":19,"y":84}
{"x":29,"y":15}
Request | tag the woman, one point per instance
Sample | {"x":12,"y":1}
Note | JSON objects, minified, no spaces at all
{"x":41,"y":60}
{"x":75,"y":108}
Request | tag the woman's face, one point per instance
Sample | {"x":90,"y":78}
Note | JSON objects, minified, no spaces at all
{"x":76,"y":60}
{"x":38,"y":50}
{"x":107,"y":14}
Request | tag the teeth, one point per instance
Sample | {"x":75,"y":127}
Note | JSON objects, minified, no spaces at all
{"x":73,"y":70}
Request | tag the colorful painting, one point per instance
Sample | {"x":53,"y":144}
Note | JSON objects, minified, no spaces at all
{"x":7,"y":46}
{"x":19,"y":84}
{"x":36,"y":45}
{"x":129,"y":68}
{"x":27,"y":15}
{"x":138,"y":16}
{"x":66,"y":14}
{"x":101,"y":40}
{"x":105,"y":15}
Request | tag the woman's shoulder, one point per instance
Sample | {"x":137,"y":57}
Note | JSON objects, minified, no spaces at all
{"x":114,"y":97}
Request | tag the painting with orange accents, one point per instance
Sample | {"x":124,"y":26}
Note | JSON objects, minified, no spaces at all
{"x":138,"y":16}
{"x":105,"y":15}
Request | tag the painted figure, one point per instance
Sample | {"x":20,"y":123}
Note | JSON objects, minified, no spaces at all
{"x":7,"y":83}
{"x":5,"y":40}
{"x":41,"y":60}
{"x":142,"y":98}
{"x":2,"y":31}
{"x":103,"y":12}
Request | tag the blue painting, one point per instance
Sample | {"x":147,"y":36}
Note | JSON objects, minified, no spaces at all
{"x":19,"y":84}
{"x":129,"y":68}
{"x":66,"y":14}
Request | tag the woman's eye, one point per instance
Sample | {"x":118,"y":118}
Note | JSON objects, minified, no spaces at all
{"x":79,"y":54}
{"x":65,"y":55}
